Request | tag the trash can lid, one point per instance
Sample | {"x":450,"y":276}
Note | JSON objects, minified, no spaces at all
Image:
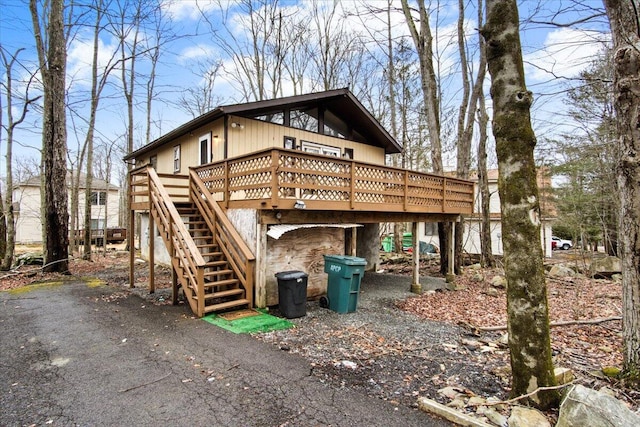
{"x":291,"y":275}
{"x":345,"y":259}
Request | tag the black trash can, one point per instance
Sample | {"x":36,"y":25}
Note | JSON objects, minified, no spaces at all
{"x":292,"y":293}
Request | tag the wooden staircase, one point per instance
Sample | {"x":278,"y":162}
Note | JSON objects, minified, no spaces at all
{"x":212,"y":263}
{"x":222,"y":288}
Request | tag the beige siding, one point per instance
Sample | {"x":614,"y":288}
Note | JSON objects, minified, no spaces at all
{"x":29,"y":223}
{"x":256,"y":135}
{"x":252,"y":135}
{"x":189,"y":149}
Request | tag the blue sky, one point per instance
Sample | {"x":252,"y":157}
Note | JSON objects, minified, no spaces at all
{"x":552,"y":57}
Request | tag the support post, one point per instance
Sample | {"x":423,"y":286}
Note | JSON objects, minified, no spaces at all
{"x":416,"y":287}
{"x":152,"y":249}
{"x":132,"y":245}
{"x":174,"y":286}
{"x":260,"y":287}
{"x":452,"y":251}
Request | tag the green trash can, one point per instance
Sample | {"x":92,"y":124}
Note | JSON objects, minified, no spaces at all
{"x":343,"y":287}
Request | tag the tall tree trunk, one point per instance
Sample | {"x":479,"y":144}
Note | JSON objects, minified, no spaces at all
{"x":466,"y":117}
{"x":624,"y":18}
{"x":527,"y":307}
{"x":486,"y":251}
{"x":423,"y":41}
{"x":54,"y":135}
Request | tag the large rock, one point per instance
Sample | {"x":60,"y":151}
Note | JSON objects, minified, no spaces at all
{"x":499,"y":282}
{"x":608,"y":264}
{"x":583,"y":406}
{"x":560,"y":270}
{"x":527,"y":417}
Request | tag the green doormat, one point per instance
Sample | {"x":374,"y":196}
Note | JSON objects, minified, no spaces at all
{"x":263,"y":322}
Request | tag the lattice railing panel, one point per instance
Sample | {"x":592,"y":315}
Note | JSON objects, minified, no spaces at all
{"x":299,"y":175}
{"x":241,"y":167}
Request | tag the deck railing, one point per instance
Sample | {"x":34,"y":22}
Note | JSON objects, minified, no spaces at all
{"x":279,"y":178}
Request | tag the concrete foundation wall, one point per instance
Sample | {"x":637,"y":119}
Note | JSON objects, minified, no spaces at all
{"x":368,"y":245}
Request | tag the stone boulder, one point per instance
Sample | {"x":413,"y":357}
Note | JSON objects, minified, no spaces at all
{"x":583,"y":406}
{"x":560,"y":270}
{"x":608,"y":264}
{"x":499,"y":282}
{"x":527,"y":417}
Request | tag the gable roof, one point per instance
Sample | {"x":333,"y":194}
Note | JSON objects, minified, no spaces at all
{"x":97,"y":184}
{"x":340,"y":103}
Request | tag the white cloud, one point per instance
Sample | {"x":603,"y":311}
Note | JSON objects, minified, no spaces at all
{"x":80,"y":58}
{"x":193,"y":53}
{"x":179,"y":10}
{"x":565,"y":53}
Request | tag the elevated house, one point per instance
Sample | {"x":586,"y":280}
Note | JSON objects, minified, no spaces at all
{"x":248,"y":190}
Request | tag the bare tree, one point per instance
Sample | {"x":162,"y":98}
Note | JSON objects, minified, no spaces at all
{"x":423,"y":41}
{"x":467,"y":115}
{"x":259,"y":52}
{"x":52,"y":57}
{"x":527,"y":307}
{"x":197,"y":100}
{"x":12,"y":122}
{"x":623,"y":18}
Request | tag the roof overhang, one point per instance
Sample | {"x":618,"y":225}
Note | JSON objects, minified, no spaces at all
{"x":340,"y":103}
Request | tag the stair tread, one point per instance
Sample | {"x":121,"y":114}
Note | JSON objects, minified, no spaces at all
{"x":225,"y":282}
{"x":225,"y":305}
{"x":217,"y":272}
{"x":224,"y":294}
{"x":215,"y":263}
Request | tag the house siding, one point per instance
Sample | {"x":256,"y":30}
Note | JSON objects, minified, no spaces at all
{"x":29,"y":222}
{"x":251,"y":136}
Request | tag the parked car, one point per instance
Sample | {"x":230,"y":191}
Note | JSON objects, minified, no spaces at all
{"x":558,"y":243}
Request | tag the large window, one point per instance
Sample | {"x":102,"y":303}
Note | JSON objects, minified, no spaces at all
{"x":304,"y":120}
{"x":98,"y":198}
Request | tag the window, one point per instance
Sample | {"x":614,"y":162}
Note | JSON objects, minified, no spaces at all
{"x":430,"y":228}
{"x":176,"y":158}
{"x":312,"y":147}
{"x":289,"y":143}
{"x":348,"y":153}
{"x":153,"y":161}
{"x":205,"y":148}
{"x":97,"y":224}
{"x":305,"y":120}
{"x":275,"y":117}
{"x":98,"y":198}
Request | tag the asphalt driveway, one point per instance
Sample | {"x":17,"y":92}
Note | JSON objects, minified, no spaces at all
{"x":72,"y":354}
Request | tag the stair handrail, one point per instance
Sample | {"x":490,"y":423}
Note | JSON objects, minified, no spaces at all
{"x":238,"y":253}
{"x":186,"y":246}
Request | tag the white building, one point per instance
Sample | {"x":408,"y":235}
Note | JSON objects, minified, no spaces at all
{"x":428,"y":232}
{"x":105,"y":201}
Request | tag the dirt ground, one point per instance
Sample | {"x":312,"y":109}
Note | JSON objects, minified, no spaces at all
{"x":398,"y":346}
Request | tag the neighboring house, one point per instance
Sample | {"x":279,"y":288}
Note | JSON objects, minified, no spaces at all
{"x":105,"y":200}
{"x":471,"y":239}
{"x":249,"y":190}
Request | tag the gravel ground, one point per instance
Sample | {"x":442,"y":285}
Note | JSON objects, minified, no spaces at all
{"x":388,"y":353}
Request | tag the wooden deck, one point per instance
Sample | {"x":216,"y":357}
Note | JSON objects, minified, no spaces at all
{"x":290,"y":179}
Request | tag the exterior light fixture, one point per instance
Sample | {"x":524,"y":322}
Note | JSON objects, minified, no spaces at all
{"x":237,"y":125}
